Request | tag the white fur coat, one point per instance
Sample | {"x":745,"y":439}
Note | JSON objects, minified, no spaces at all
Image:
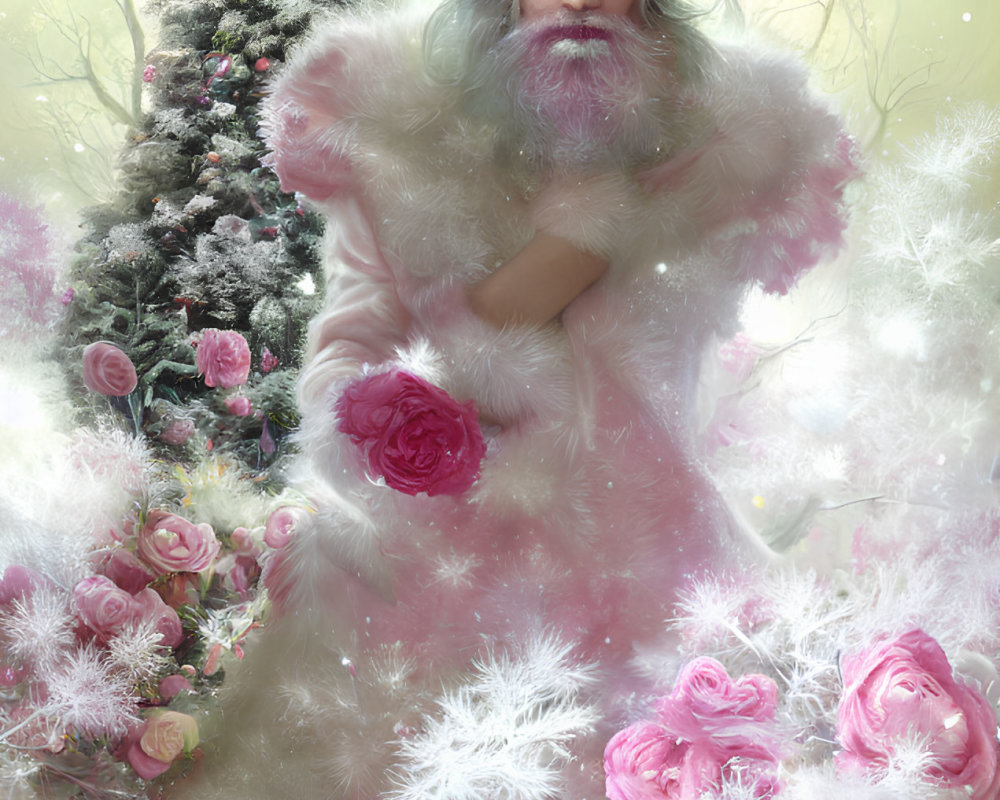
{"x":484,"y":645}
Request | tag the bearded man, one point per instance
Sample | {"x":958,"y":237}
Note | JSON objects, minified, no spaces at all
{"x":548,"y":210}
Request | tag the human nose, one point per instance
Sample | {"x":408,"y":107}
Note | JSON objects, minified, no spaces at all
{"x":580,"y":5}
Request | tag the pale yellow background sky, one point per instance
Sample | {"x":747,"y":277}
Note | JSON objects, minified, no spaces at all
{"x":917,"y":56}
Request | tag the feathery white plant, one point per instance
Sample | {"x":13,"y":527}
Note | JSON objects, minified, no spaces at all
{"x":87,"y":695}
{"x":38,"y":631}
{"x":507,"y":734}
{"x":136,"y":653}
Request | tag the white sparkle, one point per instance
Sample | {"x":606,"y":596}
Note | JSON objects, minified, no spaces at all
{"x":307,"y":285}
{"x":79,"y":148}
{"x":966,"y":17}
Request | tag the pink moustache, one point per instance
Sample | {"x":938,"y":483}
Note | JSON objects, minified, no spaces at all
{"x":578,"y":33}
{"x":563,"y":87}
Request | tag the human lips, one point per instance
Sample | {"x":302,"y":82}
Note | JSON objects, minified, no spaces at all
{"x":576,"y":33}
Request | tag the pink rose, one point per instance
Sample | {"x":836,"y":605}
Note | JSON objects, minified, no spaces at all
{"x":643,"y":762}
{"x":708,"y":728}
{"x":238,"y":406}
{"x":127,"y":571}
{"x":170,"y":543}
{"x":903,"y":689}
{"x":281,"y":525}
{"x":223,"y":357}
{"x":152,"y":747}
{"x":243,"y":542}
{"x":103,"y":607}
{"x":149,"y":607}
{"x":107,"y":370}
{"x":268,"y":361}
{"x":106,"y":610}
{"x":173,"y":685}
{"x":18,"y":582}
{"x":707,"y":706}
{"x":412,"y":434}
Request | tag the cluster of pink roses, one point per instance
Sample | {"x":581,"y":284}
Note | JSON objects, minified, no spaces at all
{"x":709,"y":729}
{"x":901,"y":692}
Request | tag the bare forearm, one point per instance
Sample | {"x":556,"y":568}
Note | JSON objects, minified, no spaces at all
{"x":536,"y":284}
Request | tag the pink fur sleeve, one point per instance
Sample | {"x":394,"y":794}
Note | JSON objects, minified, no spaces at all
{"x":364,"y":321}
{"x":771,"y":175}
{"x":305,"y":121}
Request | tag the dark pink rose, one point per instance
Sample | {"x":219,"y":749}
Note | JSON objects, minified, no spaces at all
{"x":412,"y":434}
{"x":239,"y":406}
{"x":901,"y":690}
{"x":223,"y":357}
{"x":127,"y":571}
{"x":103,"y":607}
{"x":173,"y":685}
{"x":107,"y":370}
{"x":169,"y":543}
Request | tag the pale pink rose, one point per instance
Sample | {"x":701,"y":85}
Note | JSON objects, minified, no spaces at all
{"x":223,"y":357}
{"x":107,"y":370}
{"x":102,"y":606}
{"x":904,"y":689}
{"x":152,"y":747}
{"x":170,"y":543}
{"x":281,"y":525}
{"x":412,"y":434}
{"x":178,"y":432}
{"x":239,"y":406}
{"x":148,"y":607}
{"x":127,"y":571}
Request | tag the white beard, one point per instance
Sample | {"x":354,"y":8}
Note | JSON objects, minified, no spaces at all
{"x":572,"y":93}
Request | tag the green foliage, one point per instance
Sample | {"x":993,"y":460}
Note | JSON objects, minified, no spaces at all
{"x":227,"y":42}
{"x":200,"y":236}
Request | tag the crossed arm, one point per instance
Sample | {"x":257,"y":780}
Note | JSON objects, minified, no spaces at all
{"x":536,"y":284}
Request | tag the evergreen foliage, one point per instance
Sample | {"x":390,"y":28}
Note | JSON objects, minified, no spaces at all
{"x":200,"y":235}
